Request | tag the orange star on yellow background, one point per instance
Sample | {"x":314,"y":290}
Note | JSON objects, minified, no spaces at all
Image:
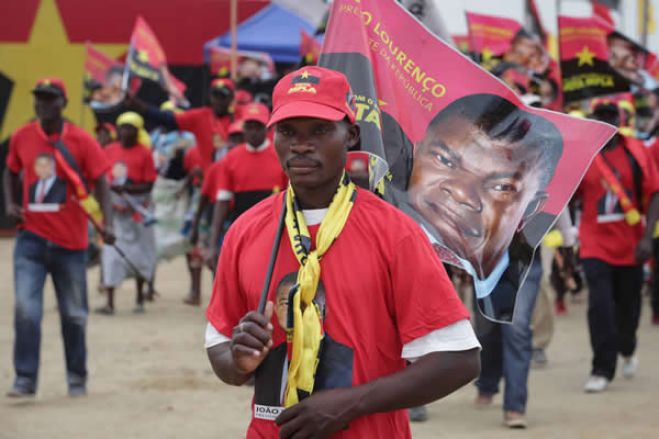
{"x":47,"y":53}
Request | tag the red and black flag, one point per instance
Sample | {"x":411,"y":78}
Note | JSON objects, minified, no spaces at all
{"x":586,"y":65}
{"x":147,"y":60}
{"x":309,"y":49}
{"x":484,"y":175}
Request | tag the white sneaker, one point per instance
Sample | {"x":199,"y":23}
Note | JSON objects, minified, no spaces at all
{"x":629,"y":366}
{"x":596,"y":384}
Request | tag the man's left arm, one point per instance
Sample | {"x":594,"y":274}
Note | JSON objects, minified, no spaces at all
{"x":429,"y":378}
{"x":102,"y":194}
{"x":644,"y":247}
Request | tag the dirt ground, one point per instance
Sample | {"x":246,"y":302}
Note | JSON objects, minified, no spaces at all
{"x":149,"y":378}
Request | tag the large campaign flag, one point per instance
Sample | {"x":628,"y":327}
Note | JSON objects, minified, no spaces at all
{"x":147,"y":60}
{"x":484,"y":175}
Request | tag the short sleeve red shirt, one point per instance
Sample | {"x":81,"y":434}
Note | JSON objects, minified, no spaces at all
{"x":210,"y":131}
{"x":210,"y":185}
{"x":51,"y":210}
{"x":251,"y":175}
{"x":137,"y":162}
{"x":603,"y":233}
{"x":383,"y":287}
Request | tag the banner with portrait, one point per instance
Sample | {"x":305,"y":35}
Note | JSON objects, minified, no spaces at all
{"x":516,"y":55}
{"x":484,"y":175}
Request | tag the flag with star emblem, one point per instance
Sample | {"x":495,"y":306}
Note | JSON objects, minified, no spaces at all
{"x":588,"y":66}
{"x":483,"y":174}
{"x":309,"y":49}
{"x":147,"y":60}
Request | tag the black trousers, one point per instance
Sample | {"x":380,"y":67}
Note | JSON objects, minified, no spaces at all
{"x":614,"y":307}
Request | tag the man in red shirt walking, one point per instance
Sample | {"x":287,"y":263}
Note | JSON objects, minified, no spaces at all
{"x":621,"y":184}
{"x":368,"y":291}
{"x":54,"y":161}
{"x":209,"y":124}
{"x":249,"y":173}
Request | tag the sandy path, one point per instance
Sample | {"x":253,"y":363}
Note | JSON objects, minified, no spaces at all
{"x":149,"y":377}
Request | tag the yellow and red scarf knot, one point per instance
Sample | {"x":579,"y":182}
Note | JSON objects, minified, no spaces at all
{"x":306,"y":334}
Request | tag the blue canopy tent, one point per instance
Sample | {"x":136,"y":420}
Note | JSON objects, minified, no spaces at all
{"x":274,"y":30}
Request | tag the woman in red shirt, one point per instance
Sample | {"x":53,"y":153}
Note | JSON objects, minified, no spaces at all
{"x":131,"y":179}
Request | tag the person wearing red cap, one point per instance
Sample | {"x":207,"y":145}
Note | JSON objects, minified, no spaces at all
{"x":209,"y":124}
{"x":385,"y":296}
{"x":250,"y":172}
{"x":47,"y":154}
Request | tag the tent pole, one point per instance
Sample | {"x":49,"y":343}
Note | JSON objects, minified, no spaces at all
{"x":234,"y":38}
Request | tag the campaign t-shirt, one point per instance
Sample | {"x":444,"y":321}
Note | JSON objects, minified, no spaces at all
{"x":249,"y":175}
{"x":50,"y":208}
{"x":210,"y":131}
{"x":603,"y":232}
{"x":381,"y":286}
{"x":130,"y":164}
{"x":210,"y":186}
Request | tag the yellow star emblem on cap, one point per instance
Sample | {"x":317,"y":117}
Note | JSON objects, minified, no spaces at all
{"x":585,"y":57}
{"x":305,"y":75}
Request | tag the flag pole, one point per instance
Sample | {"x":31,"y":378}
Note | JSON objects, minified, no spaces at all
{"x":124,"y":80}
{"x":644,"y":36}
{"x":234,"y":37}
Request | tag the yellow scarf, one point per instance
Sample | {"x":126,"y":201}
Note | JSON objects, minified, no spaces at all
{"x":306,"y":334}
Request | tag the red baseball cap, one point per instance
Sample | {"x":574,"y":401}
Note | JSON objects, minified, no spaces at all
{"x":222,"y":84}
{"x":313,"y":92}
{"x":50,"y":85}
{"x":243,"y":97}
{"x":236,"y":127}
{"x":255,"y":111}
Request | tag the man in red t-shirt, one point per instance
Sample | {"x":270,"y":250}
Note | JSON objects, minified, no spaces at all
{"x":250,"y":172}
{"x":132,"y":176}
{"x":371,"y":290}
{"x":622,"y":182}
{"x":210,"y":124}
{"x":45,"y":159}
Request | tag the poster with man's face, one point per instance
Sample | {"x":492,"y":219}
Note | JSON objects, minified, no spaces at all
{"x":484,"y":175}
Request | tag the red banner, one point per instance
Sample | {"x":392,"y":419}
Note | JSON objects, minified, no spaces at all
{"x":517,"y":56}
{"x":483,"y":174}
{"x":489,"y":35}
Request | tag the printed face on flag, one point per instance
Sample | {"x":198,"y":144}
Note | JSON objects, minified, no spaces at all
{"x":630,"y":60}
{"x":484,"y":175}
{"x":482,"y":166}
{"x":104,"y":77}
